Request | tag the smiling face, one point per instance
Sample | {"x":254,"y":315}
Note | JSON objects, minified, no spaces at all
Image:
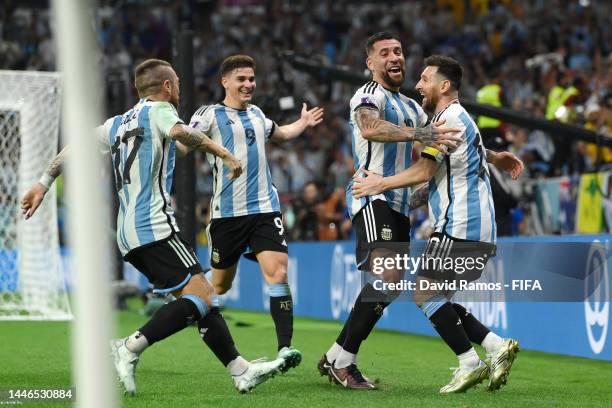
{"x":429,"y":86}
{"x":387,"y":64}
{"x":239,"y":85}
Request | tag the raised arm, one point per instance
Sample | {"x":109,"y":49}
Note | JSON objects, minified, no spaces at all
{"x":192,"y":138}
{"x":378,"y":130}
{"x":34,"y":196}
{"x":308,"y":118}
{"x":373,"y":184}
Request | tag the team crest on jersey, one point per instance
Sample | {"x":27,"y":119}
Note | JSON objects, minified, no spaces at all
{"x":215,"y":256}
{"x":386,"y":233}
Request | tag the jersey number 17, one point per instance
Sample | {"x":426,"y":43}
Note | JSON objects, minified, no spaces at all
{"x":130,"y":139}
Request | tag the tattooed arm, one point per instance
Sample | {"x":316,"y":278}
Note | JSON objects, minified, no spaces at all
{"x":373,"y":184}
{"x":55,"y":168}
{"x":377,"y":130}
{"x":192,"y":138}
{"x":34,"y":196}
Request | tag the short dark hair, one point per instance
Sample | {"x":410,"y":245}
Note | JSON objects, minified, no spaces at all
{"x":447,"y":67}
{"x":236,"y":61}
{"x":374,"y":38}
{"x":148,"y":79}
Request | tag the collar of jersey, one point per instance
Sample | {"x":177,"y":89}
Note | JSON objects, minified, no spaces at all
{"x":386,"y":89}
{"x":239,"y":110}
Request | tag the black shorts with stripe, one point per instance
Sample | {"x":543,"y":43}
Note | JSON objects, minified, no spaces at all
{"x":229,"y":237}
{"x":168,"y":264}
{"x":377,"y":222}
{"x":448,"y":259}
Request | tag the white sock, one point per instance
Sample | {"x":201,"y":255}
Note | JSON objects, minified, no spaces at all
{"x":136,"y":343}
{"x":492,"y":342}
{"x":345,"y":359}
{"x":333,"y":352}
{"x":468,"y":360}
{"x":237,"y":366}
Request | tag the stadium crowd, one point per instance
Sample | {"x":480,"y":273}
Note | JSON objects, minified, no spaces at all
{"x":530,"y":48}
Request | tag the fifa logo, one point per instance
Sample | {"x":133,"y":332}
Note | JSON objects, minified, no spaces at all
{"x":597,"y":297}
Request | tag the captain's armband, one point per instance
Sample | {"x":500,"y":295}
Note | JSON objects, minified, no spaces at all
{"x":432,"y":153}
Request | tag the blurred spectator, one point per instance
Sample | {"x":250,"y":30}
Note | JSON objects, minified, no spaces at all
{"x":503,"y":201}
{"x":492,"y":130}
{"x":306,"y":209}
{"x":331,"y":214}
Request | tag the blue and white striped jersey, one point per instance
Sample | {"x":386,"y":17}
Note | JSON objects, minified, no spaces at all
{"x":143,"y":161}
{"x":383,"y":158}
{"x":244,"y":133}
{"x":460,"y":198}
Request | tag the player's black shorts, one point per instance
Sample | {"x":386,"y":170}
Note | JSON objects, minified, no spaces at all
{"x":168,"y":264}
{"x":377,"y":222}
{"x":449,"y":259}
{"x":229,"y":237}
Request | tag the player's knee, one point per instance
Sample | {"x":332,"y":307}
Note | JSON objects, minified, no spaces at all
{"x":222,"y":288}
{"x":200,"y":305}
{"x":278,"y":274}
{"x":198,"y":286}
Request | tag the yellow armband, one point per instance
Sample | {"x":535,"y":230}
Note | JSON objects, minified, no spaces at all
{"x":432,"y":153}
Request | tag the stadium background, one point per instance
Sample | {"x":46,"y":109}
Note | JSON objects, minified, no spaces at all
{"x":528,"y":47}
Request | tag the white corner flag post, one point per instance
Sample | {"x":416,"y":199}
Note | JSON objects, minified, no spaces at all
{"x":89,"y":215}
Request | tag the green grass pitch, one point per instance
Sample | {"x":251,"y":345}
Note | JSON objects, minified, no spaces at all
{"x":182,"y":372}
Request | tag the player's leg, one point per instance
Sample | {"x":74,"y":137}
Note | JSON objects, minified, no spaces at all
{"x":274,"y":269}
{"x":444,"y":317}
{"x":215,"y":333}
{"x":214,"y":330}
{"x":500,"y":352}
{"x":377,"y":222}
{"x":227,"y":240}
{"x":477,"y":332}
{"x":445,"y":320}
{"x":173,"y":268}
{"x":222,"y":278}
{"x":269,"y":245}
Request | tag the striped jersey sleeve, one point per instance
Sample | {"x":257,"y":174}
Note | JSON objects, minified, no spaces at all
{"x":368,"y":97}
{"x":101,"y":135}
{"x":202,"y":119}
{"x":268,"y":124}
{"x":165,"y":117}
